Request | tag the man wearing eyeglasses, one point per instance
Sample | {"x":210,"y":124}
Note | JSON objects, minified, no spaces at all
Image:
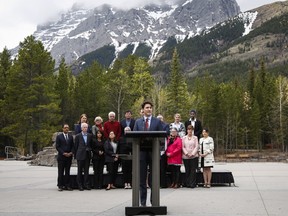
{"x":64,"y":146}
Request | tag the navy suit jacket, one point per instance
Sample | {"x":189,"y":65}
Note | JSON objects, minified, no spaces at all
{"x":63,"y":146}
{"x":155,"y":125}
{"x":82,"y":149}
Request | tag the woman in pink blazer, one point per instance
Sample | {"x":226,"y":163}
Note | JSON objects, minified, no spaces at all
{"x":174,"y":157}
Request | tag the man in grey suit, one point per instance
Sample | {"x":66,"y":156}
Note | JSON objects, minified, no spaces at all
{"x":146,"y":123}
{"x":83,"y":143}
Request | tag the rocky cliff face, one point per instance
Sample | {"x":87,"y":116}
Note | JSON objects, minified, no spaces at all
{"x":81,"y":31}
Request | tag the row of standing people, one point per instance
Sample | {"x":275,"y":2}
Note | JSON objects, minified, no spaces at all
{"x":99,"y":143}
{"x":192,"y":154}
{"x":106,"y":152}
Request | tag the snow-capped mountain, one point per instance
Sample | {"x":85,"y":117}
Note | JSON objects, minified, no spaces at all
{"x":81,"y":31}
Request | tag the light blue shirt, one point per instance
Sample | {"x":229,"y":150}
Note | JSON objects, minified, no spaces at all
{"x":85,"y":137}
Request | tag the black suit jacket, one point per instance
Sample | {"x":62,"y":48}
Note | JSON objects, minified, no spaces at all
{"x":197,"y":129}
{"x":109,"y":153}
{"x":123,"y":125}
{"x":63,"y":146}
{"x":82,"y":149}
{"x":96,"y":147}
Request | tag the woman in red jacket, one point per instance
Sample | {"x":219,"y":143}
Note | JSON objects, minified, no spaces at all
{"x":174,"y":157}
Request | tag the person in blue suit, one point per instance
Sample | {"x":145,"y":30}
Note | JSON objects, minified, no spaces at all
{"x":146,"y":123}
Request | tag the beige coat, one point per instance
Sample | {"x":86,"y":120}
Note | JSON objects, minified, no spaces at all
{"x":208,"y":147}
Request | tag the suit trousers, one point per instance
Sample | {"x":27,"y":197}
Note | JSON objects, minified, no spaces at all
{"x":145,"y":162}
{"x":163,"y":171}
{"x":175,"y":174}
{"x":98,"y":166}
{"x":112,"y":168}
{"x":190,"y":172}
{"x":64,"y":172}
{"x":83,"y":166}
{"x":127,"y":170}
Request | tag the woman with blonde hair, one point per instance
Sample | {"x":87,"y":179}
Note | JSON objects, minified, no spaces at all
{"x":83,"y":119}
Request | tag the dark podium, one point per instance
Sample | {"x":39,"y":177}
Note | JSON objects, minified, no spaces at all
{"x":137,"y":138}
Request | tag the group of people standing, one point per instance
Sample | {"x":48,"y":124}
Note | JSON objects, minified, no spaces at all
{"x":104,"y":143}
{"x":100,"y":144}
{"x":186,"y":146}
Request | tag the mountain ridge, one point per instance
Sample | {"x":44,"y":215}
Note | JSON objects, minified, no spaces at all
{"x":82,"y":31}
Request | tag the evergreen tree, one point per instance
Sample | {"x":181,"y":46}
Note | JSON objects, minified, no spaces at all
{"x":91,"y":92}
{"x":177,"y":91}
{"x":5,"y":65}
{"x":251,"y":81}
{"x":65,"y":87}
{"x":264,"y":94}
{"x":31,"y":100}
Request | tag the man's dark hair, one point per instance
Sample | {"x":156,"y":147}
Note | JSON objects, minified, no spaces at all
{"x":128,"y":111}
{"x":64,"y":125}
{"x":146,"y":102}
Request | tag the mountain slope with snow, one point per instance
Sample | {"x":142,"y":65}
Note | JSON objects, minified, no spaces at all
{"x":80,"y":31}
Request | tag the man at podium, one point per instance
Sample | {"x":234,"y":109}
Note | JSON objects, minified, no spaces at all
{"x":146,"y":123}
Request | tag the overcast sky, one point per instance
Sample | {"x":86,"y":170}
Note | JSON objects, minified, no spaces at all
{"x":19,"y":18}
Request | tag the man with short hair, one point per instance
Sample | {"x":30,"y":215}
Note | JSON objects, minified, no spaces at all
{"x":64,"y":146}
{"x":112,"y":125}
{"x":83,"y":144}
{"x":146,"y":123}
{"x":127,"y":122}
{"x":195,"y":123}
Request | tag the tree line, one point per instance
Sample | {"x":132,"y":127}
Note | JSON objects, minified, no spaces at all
{"x":35,"y":99}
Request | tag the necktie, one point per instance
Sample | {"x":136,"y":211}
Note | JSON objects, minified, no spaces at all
{"x":66,"y":137}
{"x":146,"y":124}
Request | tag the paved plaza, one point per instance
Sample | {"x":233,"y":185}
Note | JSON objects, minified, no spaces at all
{"x":261,"y":189}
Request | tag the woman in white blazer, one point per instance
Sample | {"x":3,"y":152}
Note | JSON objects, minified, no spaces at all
{"x":206,"y":157}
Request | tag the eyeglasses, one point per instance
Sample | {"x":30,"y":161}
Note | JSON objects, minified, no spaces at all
{"x":65,"y":127}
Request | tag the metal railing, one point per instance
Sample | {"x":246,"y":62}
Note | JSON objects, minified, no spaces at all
{"x":12,"y":153}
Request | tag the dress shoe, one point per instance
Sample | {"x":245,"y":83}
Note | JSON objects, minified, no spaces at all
{"x":60,"y":188}
{"x":88,"y":188}
{"x":69,"y":189}
{"x":81,"y":188}
{"x":176,"y":186}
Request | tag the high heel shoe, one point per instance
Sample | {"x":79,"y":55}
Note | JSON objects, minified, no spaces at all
{"x":176,"y":186}
{"x":108,"y":187}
